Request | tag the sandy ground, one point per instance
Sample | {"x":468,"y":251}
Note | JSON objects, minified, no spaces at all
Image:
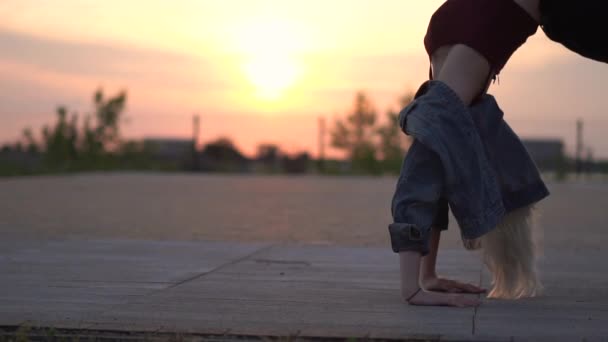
{"x":352,"y":211}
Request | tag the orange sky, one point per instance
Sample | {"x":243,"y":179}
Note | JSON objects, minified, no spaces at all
{"x":261,"y":71}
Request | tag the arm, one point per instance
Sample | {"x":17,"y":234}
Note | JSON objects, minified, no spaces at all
{"x":428,"y":262}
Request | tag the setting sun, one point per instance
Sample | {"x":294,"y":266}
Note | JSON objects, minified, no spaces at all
{"x":269,"y":47}
{"x":271,"y":75}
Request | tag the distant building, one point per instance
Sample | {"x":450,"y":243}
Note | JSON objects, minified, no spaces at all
{"x":548,"y":154}
{"x":169,"y":149}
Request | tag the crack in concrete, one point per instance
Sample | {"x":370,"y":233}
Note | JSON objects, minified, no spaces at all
{"x":230,"y":263}
{"x":283,"y":262}
{"x":114,"y":307}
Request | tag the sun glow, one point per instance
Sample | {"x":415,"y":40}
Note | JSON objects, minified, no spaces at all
{"x":271,"y":75}
{"x":270,"y":64}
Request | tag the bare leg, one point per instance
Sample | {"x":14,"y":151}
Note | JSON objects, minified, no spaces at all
{"x":466,"y":71}
{"x":462,"y":69}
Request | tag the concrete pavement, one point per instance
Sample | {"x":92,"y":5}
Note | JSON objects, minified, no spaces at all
{"x":229,"y":289}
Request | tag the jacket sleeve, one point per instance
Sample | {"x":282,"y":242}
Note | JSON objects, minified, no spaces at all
{"x":443,"y":124}
{"x":417,"y":204}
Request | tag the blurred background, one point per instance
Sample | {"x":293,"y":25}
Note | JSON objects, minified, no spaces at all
{"x":257,"y":86}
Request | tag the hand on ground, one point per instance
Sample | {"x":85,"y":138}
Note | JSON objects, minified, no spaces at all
{"x":443,"y":299}
{"x":448,"y":285}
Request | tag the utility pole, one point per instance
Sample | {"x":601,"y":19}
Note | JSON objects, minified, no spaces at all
{"x":321,"y":156}
{"x":579,"y":147}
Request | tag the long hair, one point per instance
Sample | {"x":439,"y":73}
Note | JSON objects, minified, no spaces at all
{"x":510,"y":254}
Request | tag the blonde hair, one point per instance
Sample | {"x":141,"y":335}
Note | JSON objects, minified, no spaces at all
{"x":510,"y":254}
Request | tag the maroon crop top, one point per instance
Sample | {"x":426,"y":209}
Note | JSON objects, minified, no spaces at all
{"x":494,"y":28}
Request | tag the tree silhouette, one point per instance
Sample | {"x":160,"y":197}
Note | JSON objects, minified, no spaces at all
{"x":222,"y":149}
{"x":64,"y":144}
{"x":61,"y":141}
{"x":392,"y":139}
{"x":355,"y":135}
{"x":109,"y":116}
{"x":222,"y":155}
{"x":30,"y":141}
{"x":269,"y":155}
{"x":299,"y":163}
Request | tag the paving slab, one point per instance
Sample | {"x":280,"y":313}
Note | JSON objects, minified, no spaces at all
{"x":304,"y":290}
{"x":574,"y":304}
{"x":68,"y":282}
{"x":215,"y":288}
{"x":283,"y":289}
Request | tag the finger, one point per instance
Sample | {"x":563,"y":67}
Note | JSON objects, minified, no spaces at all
{"x":474,"y":289}
{"x":478,"y":290}
{"x":449,"y":286}
{"x":469,"y":288}
{"x":440,"y":286}
{"x":455,"y":289}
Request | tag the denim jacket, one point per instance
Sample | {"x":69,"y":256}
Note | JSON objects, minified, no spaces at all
{"x":467,"y":157}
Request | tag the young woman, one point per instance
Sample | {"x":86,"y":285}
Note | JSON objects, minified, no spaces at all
{"x":468,"y":43}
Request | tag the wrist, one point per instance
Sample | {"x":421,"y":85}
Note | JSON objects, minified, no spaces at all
{"x":410,"y":293}
{"x":408,"y":290}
